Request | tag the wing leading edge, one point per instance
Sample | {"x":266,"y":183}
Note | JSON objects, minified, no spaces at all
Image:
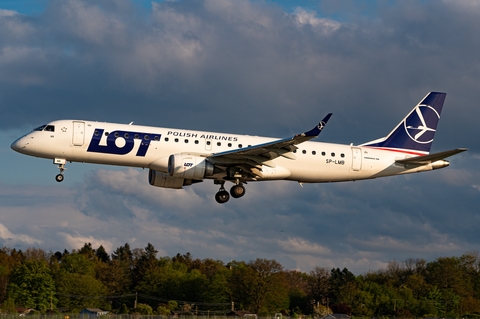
{"x":262,"y":154}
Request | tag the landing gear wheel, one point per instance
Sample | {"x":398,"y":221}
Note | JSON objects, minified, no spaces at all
{"x":222,"y":197}
{"x":61,"y":166}
{"x":237,"y":191}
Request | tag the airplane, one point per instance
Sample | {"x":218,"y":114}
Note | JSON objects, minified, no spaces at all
{"x":178,"y":157}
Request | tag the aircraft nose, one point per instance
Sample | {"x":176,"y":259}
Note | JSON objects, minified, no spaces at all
{"x":15,"y":145}
{"x":19,"y":145}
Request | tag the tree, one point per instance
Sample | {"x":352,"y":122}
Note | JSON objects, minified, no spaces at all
{"x":143,"y":309}
{"x":76,"y":282}
{"x":102,"y":254}
{"x":9,"y":259}
{"x":254,"y":283}
{"x":318,"y":285}
{"x":342,"y":283}
{"x":32,"y":286}
{"x":146,"y":260}
{"x":298,"y":292}
{"x":449,"y":273}
{"x":77,"y":291}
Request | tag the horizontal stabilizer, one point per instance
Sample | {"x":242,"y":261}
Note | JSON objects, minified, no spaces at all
{"x":427,"y":159}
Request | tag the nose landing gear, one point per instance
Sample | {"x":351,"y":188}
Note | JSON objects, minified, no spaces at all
{"x":59,"y":178}
{"x":61,"y":166}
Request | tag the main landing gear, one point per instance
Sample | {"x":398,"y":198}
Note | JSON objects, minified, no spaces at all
{"x":222,"y":196}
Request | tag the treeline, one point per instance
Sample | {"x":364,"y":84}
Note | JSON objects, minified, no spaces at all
{"x":137,"y":281}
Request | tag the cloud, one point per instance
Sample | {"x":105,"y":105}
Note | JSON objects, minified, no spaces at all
{"x":305,"y":17}
{"x":245,"y":67}
{"x":12,"y":240}
{"x":75,"y":241}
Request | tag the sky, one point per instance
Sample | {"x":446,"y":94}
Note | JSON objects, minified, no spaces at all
{"x":268,"y":68}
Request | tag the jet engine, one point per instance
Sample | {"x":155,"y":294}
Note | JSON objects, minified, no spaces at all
{"x":189,"y":167}
{"x":159,"y":179}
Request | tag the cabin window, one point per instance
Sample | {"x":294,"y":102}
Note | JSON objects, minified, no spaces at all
{"x":136,"y":136}
{"x":176,"y":140}
{"x":314,"y":153}
{"x":323,"y":154}
{"x":208,"y":142}
{"x":294,"y":151}
{"x":240,"y":145}
{"x":229,"y":144}
{"x":304,"y":152}
{"x":126,"y":135}
{"x":96,"y":133}
{"x":186,"y":141}
{"x":166,"y":139}
{"x":333,"y":154}
{"x":116,"y":134}
{"x":219,"y":144}
{"x":106,"y":133}
{"x":156,"y":138}
{"x":196,"y":141}
{"x":146,"y":137}
{"x":342,"y":155}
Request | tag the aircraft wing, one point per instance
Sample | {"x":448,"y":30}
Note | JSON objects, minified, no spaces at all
{"x":262,"y":154}
{"x":430,"y":158}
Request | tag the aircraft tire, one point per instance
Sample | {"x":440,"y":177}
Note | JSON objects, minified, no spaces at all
{"x":237,"y":191}
{"x":59,"y":178}
{"x":222,"y":197}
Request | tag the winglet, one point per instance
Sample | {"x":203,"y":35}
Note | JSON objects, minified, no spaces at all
{"x":317,"y":129}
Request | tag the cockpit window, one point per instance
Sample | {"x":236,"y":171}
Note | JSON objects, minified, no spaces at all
{"x":40,"y":128}
{"x":48,"y":128}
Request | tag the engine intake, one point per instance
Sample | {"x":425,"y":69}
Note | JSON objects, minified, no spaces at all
{"x":189,"y":166}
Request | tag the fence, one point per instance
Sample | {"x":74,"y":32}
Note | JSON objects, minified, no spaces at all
{"x":211,"y":316}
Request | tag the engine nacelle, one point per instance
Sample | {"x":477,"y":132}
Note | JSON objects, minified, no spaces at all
{"x":160,"y":179}
{"x":189,"y":167}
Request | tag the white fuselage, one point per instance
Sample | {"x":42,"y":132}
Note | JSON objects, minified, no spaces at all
{"x":150,"y":147}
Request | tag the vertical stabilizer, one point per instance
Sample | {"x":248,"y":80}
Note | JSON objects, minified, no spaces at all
{"x":415,"y":133}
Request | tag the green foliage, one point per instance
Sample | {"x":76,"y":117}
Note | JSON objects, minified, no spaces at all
{"x":8,"y":306}
{"x":143,"y":309}
{"x":444,"y":287}
{"x":78,"y":264}
{"x":123,"y":309}
{"x":31,"y":285}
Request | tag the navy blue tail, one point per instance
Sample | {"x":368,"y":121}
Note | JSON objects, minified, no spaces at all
{"x":416,"y":131}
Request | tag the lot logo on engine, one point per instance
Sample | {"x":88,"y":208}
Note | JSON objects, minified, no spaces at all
{"x":121,"y":142}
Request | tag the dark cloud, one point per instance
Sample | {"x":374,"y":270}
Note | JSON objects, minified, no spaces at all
{"x":249,"y":67}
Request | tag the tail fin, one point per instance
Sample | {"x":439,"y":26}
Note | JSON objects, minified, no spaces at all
{"x":414,"y":134}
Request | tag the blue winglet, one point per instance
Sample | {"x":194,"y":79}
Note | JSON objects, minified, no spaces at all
{"x":317,"y":129}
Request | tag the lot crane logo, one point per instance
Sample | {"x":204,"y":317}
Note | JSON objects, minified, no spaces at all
{"x":421,"y":124}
